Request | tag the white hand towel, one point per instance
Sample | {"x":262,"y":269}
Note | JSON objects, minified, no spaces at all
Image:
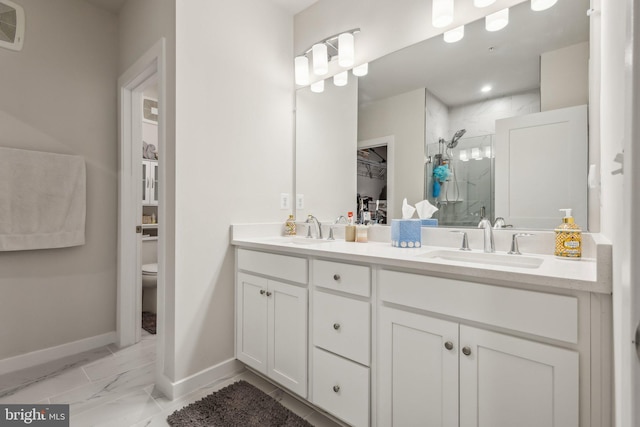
{"x":42,"y":200}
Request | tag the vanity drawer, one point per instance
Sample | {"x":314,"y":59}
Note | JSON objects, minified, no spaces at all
{"x":279,"y":266}
{"x":354,"y":279}
{"x":538,"y":313}
{"x":342,"y":325}
{"x":341,"y":387}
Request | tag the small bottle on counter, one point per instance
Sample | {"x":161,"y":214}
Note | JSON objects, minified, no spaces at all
{"x":350,"y":229}
{"x":290,"y":226}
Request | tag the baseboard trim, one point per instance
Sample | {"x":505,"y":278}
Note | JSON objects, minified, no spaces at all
{"x":173,"y":390}
{"x":27,"y":360}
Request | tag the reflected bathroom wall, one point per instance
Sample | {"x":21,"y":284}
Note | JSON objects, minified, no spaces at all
{"x":467,"y":192}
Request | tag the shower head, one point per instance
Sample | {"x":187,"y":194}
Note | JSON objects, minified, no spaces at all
{"x":456,"y":137}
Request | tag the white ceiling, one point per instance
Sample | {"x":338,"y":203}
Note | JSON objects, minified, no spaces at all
{"x":456,"y":72}
{"x":292,"y":6}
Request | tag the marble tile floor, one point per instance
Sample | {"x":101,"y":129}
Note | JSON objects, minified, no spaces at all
{"x":114,"y":387}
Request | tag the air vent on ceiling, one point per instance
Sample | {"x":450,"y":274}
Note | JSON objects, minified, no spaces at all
{"x":11,"y":25}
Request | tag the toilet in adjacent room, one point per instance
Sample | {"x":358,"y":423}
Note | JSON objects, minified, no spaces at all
{"x":149,"y":286}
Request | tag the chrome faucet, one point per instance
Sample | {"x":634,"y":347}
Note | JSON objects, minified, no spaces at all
{"x":489,"y":245}
{"x":313,"y":220}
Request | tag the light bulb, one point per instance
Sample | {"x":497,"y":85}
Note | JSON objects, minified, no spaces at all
{"x":441,"y":13}
{"x":345,"y":50}
{"x":464,"y":155}
{"x":483,"y":3}
{"x":341,"y":79}
{"x":487,"y":151}
{"x":320,"y":59}
{"x":485,"y":89}
{"x":454,"y":35}
{"x":497,"y":21}
{"x":475,"y":154}
{"x":538,"y":5}
{"x":361,"y":70}
{"x":317,"y":87}
{"x":302,"y":70}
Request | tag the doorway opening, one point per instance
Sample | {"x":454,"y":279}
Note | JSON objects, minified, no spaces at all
{"x":375,"y":170}
{"x":141,"y":207}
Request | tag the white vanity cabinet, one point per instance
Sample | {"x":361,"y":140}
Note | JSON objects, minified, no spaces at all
{"x":341,"y":329}
{"x":271,"y":317}
{"x":442,"y":372}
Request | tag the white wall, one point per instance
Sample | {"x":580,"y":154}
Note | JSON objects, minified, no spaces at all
{"x":564,"y":77}
{"x":403,"y":117}
{"x":234,"y":156}
{"x":59,"y":95}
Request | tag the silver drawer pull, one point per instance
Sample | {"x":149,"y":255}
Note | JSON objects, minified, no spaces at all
{"x":336,"y":277}
{"x":336,"y":326}
{"x":448,"y":345}
{"x":268,"y":294}
{"x":336,"y":388}
{"x":466,"y":351}
{"x":262,"y":292}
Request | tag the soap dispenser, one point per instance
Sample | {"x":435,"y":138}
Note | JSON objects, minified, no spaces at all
{"x":290,"y":226}
{"x":568,"y":238}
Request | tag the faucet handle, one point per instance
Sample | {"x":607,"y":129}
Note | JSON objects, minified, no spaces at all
{"x":465,"y":240}
{"x":515,"y":250}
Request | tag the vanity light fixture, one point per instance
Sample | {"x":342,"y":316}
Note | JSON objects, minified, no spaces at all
{"x":441,"y":13}
{"x":497,"y":21}
{"x":361,"y":70}
{"x":538,"y":5}
{"x":483,"y":3}
{"x":320,"y":59}
{"x":317,"y":87}
{"x":454,"y":35}
{"x":487,"y":151}
{"x":341,"y":79}
{"x":339,"y":46}
{"x":346,"y":50}
{"x":475,"y":154}
{"x":302,"y":70}
{"x":464,"y":155}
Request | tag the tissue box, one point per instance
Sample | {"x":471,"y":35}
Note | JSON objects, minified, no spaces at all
{"x":406,"y":233}
{"x":430,"y":222}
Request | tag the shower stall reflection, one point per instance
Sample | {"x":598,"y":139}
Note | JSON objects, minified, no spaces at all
{"x":459,"y":178}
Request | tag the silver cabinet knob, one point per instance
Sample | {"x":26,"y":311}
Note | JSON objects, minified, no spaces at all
{"x":466,"y":351}
{"x":336,"y":388}
{"x":262,"y":292}
{"x":336,"y":277}
{"x":448,"y":345}
{"x":336,"y":326}
{"x":268,"y":294}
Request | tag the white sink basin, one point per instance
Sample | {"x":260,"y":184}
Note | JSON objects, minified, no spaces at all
{"x":521,"y":261}
{"x":298,"y":240}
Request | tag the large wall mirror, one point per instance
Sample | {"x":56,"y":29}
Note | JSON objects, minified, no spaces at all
{"x":494,"y":124}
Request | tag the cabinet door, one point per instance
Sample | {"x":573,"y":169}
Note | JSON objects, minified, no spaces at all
{"x":507,"y":381}
{"x":287,"y":326}
{"x":146,"y":183}
{"x":251,"y":321}
{"x":418,"y":370}
{"x":153,"y":178}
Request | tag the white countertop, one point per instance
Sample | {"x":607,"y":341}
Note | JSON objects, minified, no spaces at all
{"x":587,"y":274}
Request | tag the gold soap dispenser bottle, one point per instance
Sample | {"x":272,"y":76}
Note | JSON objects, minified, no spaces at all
{"x":290,"y":226}
{"x":568,"y":238}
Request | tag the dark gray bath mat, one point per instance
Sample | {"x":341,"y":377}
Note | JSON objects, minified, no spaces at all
{"x":239,"y":404}
{"x":149,"y":322}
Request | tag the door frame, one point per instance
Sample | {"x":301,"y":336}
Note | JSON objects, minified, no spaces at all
{"x":389,"y":142}
{"x":149,"y":69}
